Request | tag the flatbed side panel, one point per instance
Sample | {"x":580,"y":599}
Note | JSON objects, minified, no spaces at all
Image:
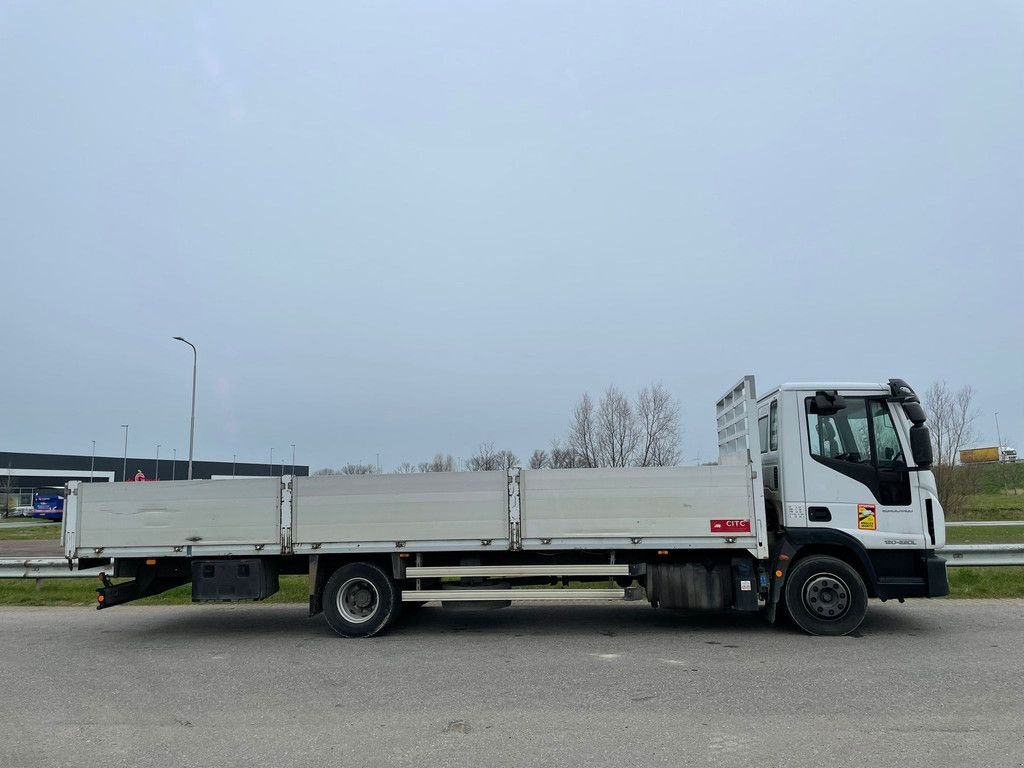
{"x":652,"y":503}
{"x":380,"y":510}
{"x":183,"y":513}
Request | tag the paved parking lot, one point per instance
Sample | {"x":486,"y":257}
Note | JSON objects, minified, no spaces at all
{"x":923,"y":684}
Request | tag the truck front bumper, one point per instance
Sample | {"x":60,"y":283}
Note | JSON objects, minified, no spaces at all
{"x":931,"y":581}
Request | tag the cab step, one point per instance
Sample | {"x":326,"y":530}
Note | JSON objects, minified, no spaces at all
{"x":486,"y":571}
{"x":505,"y":595}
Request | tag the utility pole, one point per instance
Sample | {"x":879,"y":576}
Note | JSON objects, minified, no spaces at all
{"x":234,"y":460}
{"x":293,"y":459}
{"x":174,"y":462}
{"x":1002,"y":466}
{"x":157,"y":461}
{"x":92,"y":463}
{"x":271,"y":462}
{"x":124,"y":467}
{"x":192,"y":421}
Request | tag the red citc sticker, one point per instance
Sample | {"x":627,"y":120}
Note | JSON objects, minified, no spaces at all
{"x":730,"y":526}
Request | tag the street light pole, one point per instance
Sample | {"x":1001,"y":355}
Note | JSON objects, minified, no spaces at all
{"x":174,"y":462}
{"x":192,"y":422}
{"x":124,"y":467}
{"x":157,"y":473}
{"x":293,"y":459}
{"x":999,"y":437}
{"x":92,"y":463}
{"x":234,"y":460}
{"x":271,"y":462}
{"x":1003,"y":467}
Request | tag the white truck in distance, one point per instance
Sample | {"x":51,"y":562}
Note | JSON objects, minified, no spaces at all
{"x":822,"y":499}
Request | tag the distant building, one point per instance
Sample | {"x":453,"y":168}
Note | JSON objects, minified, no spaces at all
{"x":21,"y":474}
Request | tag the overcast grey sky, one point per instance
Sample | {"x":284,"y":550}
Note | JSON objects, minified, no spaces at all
{"x":411,"y":227}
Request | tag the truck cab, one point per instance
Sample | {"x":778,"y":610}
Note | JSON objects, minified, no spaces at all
{"x":846,"y":470}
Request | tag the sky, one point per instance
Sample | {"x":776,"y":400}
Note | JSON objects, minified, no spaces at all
{"x":403,"y":228}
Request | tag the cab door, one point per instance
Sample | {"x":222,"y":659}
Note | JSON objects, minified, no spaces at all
{"x":855,"y":476}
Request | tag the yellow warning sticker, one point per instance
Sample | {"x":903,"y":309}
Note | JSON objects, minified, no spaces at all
{"x":866,"y":519}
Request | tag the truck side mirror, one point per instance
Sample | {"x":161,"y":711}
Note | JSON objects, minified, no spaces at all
{"x":828,"y":403}
{"x":921,"y":445}
{"x":914,"y":412}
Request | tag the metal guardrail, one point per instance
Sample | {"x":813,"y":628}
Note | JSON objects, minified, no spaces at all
{"x":45,"y":568}
{"x":970,"y":555}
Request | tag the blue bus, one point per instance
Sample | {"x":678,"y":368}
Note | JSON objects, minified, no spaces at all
{"x":48,"y":504}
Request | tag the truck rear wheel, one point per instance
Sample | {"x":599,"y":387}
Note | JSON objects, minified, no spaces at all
{"x":826,"y":596}
{"x":360,"y":600}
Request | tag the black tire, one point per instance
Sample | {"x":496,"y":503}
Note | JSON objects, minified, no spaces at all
{"x":825,"y":596}
{"x":360,"y":600}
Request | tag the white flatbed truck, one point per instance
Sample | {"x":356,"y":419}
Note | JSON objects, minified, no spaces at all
{"x":821,"y":499}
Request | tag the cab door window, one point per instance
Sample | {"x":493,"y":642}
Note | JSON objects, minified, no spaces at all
{"x":843,"y":436}
{"x":861,"y":442}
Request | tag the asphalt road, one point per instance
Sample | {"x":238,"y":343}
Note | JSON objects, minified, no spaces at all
{"x":22,"y":549}
{"x":937,"y":683}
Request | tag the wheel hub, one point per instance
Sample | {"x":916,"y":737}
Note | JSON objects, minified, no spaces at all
{"x":826,"y":596}
{"x":358,"y":600}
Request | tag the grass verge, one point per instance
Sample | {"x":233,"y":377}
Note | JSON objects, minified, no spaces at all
{"x":986,"y":582}
{"x":68,"y":592}
{"x":43,"y":532}
{"x":1011,"y":534}
{"x":993,"y":506}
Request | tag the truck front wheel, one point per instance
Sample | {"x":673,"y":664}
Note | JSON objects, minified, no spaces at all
{"x":826,"y":596}
{"x":360,"y":600}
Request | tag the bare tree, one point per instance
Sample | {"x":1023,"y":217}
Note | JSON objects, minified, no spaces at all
{"x":405,"y":468}
{"x":582,"y":440}
{"x":325,"y":471}
{"x":619,"y":434}
{"x":506,"y":459}
{"x":358,"y":469}
{"x":658,"y":422}
{"x":442,"y":462}
{"x":539,"y":459}
{"x":951,"y":417}
{"x":7,"y":486}
{"x":617,"y":431}
{"x":951,"y":420}
{"x":563,"y":457}
{"x":486,"y":459}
